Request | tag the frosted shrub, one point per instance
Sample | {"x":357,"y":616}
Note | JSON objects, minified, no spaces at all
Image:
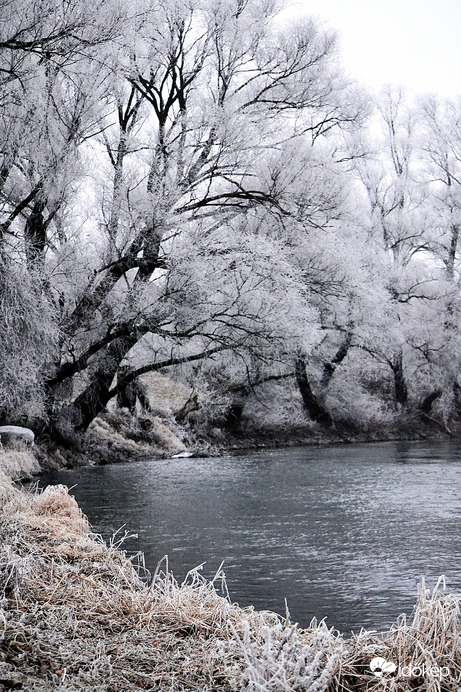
{"x":286,"y":406}
{"x":281,"y":659}
{"x":354,"y":401}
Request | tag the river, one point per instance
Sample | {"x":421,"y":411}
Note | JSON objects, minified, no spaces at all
{"x":342,"y":532}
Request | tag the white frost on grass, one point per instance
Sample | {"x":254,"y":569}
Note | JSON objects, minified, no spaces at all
{"x":17,"y":461}
{"x":76,"y":614}
{"x":281,"y":660}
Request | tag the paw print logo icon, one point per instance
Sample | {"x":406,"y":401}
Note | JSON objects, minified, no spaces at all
{"x":379,"y":666}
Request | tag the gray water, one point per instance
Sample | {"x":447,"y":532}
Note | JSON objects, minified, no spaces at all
{"x":342,"y":532}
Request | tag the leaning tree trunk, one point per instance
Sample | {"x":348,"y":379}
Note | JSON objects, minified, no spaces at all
{"x":428,"y":401}
{"x":94,"y":398}
{"x":329,"y":368}
{"x":312,"y":406}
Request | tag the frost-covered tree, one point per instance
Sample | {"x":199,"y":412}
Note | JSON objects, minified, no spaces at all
{"x":185,"y":183}
{"x":28,"y":341}
{"x":46,"y":110}
{"x":405,"y":187}
{"x":441,"y":172}
{"x":191,"y":254}
{"x":49,"y":83}
{"x":398,"y":230}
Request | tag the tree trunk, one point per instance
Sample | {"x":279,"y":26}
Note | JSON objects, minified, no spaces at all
{"x":313,"y":407}
{"x":98,"y":393}
{"x":191,"y":405}
{"x":427,"y":402}
{"x":330,"y":367}
{"x":35,"y":234}
{"x":451,"y":257}
{"x":95,"y":294}
{"x":234,"y":416}
{"x":126,"y":393}
{"x":400,"y":385}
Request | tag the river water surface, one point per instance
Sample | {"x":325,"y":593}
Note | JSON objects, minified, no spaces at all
{"x":342,"y":532}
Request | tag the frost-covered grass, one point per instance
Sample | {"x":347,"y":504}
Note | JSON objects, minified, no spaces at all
{"x":18,"y":461}
{"x":76,"y":614}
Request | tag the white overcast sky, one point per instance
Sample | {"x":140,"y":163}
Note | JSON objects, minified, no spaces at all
{"x":414,"y":43}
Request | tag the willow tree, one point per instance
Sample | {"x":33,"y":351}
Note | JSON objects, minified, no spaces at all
{"x":145,"y":181}
{"x":203,"y":96}
{"x":441,"y":172}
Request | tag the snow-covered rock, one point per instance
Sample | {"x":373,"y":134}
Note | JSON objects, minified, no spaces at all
{"x":9,"y":431}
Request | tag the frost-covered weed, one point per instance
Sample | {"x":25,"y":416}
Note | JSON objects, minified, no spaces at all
{"x":281,"y":660}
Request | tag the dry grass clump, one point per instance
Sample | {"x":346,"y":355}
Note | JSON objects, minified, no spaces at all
{"x":10,"y":496}
{"x":425,"y":650}
{"x":18,"y":461}
{"x":76,"y":614}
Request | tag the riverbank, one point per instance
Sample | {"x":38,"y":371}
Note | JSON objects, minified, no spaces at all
{"x":76,"y":614}
{"x":119,"y":436}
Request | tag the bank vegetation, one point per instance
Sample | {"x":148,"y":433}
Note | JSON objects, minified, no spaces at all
{"x":78,"y":614}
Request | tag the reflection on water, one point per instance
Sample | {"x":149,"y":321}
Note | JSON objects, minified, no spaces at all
{"x":341,"y":532}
